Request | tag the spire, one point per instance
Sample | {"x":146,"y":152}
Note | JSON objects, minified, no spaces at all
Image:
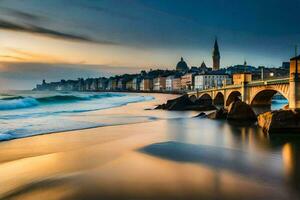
{"x":216,"y":48}
{"x":245,"y":65}
{"x":181,"y":59}
{"x":216,"y":56}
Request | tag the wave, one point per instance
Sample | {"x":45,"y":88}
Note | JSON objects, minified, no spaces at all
{"x":51,"y":119}
{"x":70,"y":98}
{"x":18,"y":102}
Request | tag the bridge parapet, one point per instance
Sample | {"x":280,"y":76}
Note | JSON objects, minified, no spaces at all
{"x":269,"y":82}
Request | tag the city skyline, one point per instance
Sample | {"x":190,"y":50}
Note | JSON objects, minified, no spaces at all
{"x":88,"y":38}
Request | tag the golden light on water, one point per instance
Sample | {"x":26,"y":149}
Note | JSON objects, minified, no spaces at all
{"x":288,"y":162}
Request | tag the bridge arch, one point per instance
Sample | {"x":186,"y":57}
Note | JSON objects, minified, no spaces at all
{"x":193,"y":98}
{"x":264,"y":97}
{"x":232,"y":97}
{"x":219,"y":99}
{"x":205,"y":99}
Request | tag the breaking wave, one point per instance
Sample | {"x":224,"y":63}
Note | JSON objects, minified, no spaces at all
{"x":18,"y":102}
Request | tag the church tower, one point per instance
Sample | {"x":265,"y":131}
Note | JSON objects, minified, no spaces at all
{"x":216,"y":56}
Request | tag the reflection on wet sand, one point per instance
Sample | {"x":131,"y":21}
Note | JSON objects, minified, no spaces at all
{"x":217,"y":158}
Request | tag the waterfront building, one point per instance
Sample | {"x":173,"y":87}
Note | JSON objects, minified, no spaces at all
{"x":136,"y":81}
{"x":41,"y":86}
{"x":146,"y":84}
{"x":64,"y":85}
{"x":102,"y":84}
{"x":87,"y":85}
{"x":176,"y":84}
{"x":80,"y":84}
{"x":216,"y":56}
{"x":211,"y":80}
{"x":94,"y":85}
{"x":169,"y":83}
{"x":187,"y":81}
{"x":112,"y":84}
{"x":129,"y":85}
{"x":159,"y":83}
{"x":121,"y":85}
{"x":182,"y":66}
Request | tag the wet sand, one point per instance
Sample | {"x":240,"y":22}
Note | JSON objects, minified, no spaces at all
{"x":134,"y":161}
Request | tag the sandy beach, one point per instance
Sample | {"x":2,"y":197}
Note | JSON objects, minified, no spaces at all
{"x":172,"y":156}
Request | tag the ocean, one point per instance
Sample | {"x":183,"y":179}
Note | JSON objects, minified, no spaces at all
{"x":28,"y":113}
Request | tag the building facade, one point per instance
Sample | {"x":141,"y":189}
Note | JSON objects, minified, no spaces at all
{"x":169,"y":83}
{"x":102,"y":83}
{"x":187,"y":81}
{"x":129,"y":85}
{"x":207,"y":81}
{"x":146,"y":85}
{"x":112,"y":84}
{"x":159,"y":84}
{"x":176,"y":84}
{"x":136,"y":83}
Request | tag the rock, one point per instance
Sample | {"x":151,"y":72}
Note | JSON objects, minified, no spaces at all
{"x":286,"y":107}
{"x":280,"y":121}
{"x":201,"y":115}
{"x":200,"y":107}
{"x":184,"y":103}
{"x":239,"y":110}
{"x":218,"y":114}
{"x":180,"y":103}
{"x":162,"y":106}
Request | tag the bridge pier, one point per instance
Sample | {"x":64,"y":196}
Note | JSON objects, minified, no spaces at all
{"x":244,"y":93}
{"x":294,"y":97}
{"x":294,"y":93}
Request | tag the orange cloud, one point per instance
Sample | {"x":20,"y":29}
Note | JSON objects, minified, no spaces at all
{"x":18,"y":55}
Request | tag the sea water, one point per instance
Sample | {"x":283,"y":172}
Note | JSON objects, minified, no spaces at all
{"x":28,"y":113}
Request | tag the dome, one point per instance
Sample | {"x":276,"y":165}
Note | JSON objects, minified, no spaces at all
{"x":182,"y":66}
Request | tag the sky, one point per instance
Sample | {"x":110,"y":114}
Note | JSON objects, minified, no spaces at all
{"x":67,"y":39}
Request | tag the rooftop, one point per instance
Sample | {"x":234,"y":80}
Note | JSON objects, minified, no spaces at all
{"x":296,"y":57}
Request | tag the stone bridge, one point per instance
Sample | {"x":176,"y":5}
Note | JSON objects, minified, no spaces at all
{"x":257,"y":93}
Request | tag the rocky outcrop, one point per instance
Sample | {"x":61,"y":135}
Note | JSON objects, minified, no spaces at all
{"x":218,"y":114}
{"x":280,"y":121}
{"x":184,"y":103}
{"x":201,"y":115}
{"x":241,"y":111}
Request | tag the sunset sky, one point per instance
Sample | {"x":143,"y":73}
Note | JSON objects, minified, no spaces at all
{"x":56,"y":39}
